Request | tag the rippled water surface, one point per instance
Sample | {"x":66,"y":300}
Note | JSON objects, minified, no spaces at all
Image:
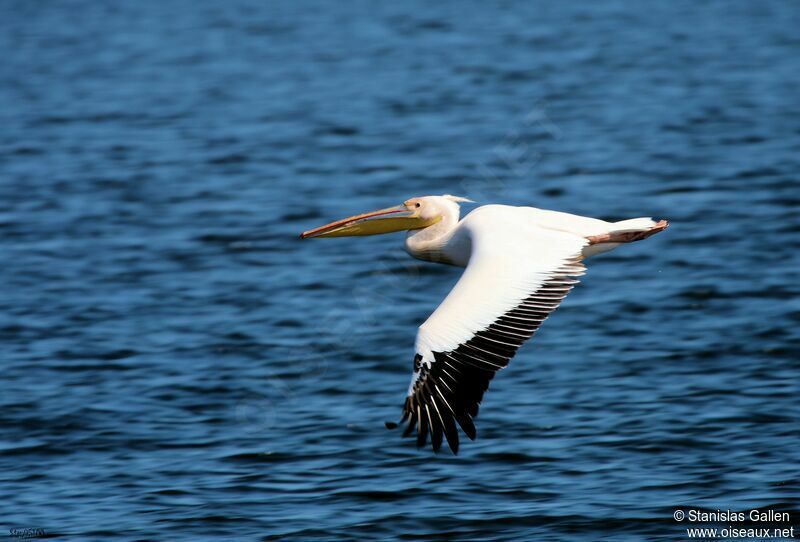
{"x":177,"y":365}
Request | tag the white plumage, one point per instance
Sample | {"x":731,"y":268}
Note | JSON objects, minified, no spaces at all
{"x":520,"y":263}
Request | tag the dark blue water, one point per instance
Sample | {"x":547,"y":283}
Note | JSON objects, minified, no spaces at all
{"x":177,"y":365}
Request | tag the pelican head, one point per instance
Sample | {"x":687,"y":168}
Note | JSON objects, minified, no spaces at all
{"x":412,"y":214}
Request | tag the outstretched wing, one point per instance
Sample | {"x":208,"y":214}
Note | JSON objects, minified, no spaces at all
{"x":518,"y":273}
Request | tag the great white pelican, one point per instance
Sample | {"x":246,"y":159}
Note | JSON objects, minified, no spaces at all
{"x":520,"y":262}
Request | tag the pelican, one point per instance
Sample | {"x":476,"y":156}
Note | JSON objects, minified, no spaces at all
{"x":520,"y":262}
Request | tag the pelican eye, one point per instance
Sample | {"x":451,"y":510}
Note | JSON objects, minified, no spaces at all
{"x":417,"y":204}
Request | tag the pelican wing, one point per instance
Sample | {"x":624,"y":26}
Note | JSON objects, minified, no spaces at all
{"x":518,"y":273}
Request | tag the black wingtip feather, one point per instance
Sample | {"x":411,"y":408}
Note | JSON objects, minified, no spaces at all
{"x":451,"y":433}
{"x":422,"y":432}
{"x":468,"y":426}
{"x":436,"y":437}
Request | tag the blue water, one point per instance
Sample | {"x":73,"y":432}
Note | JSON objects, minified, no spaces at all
{"x":177,"y":365}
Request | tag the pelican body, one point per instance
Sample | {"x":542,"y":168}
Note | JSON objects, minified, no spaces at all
{"x":520,"y":262}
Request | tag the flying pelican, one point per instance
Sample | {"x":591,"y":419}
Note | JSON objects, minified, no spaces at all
{"x":520,"y":263}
